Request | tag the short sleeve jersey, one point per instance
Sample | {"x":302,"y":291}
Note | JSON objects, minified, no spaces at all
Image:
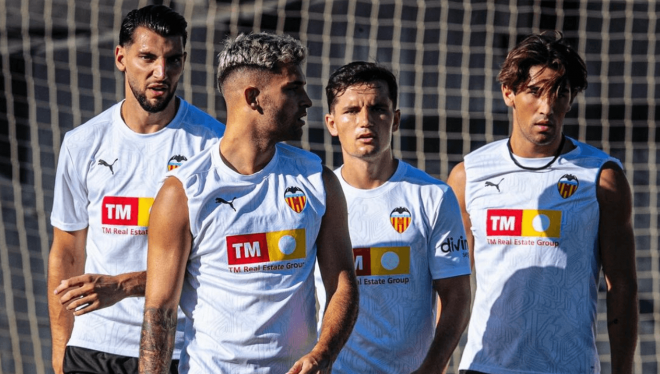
{"x":405,"y":234}
{"x":248,"y":289}
{"x":536,"y":261}
{"x":106,"y":181}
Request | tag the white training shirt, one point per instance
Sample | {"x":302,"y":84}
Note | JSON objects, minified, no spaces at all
{"x":536,"y":260}
{"x":107,"y":178}
{"x":405,"y":234}
{"x":248,"y":289}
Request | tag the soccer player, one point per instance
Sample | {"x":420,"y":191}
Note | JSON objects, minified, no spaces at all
{"x":239,"y":230}
{"x":107,"y":177}
{"x":546,"y":213}
{"x":407,"y":235}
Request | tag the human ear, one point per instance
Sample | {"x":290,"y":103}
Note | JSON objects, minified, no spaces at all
{"x":331,"y":124}
{"x":120,"y":54}
{"x":508,"y":96}
{"x":396,"y":121}
{"x":251,"y":95}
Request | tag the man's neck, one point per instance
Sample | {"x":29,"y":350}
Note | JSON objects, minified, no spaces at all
{"x":522,"y":147}
{"x":243,"y":150}
{"x":143,"y":122}
{"x":367,"y":174}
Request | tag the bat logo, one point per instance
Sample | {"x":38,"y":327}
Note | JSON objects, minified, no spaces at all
{"x":175,"y":162}
{"x":103,"y":163}
{"x":491,"y":184}
{"x":219,"y":200}
{"x":567,"y":185}
{"x":295,"y":198}
{"x":400,"y":219}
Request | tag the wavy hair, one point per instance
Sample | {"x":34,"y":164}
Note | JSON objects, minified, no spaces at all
{"x":548,"y":50}
{"x":262,"y":51}
{"x":157,"y":18}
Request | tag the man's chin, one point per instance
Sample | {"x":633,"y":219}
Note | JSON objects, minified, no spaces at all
{"x":295,"y":136}
{"x":155,"y":105}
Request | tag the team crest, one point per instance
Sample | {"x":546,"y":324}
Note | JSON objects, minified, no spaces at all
{"x":295,"y":198}
{"x":175,"y":162}
{"x":400,"y":219}
{"x":567,"y":185}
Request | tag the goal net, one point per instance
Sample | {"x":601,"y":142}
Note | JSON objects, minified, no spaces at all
{"x":57,"y":67}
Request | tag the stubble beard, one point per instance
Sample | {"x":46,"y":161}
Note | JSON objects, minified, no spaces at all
{"x":141,"y":98}
{"x":287,"y":125}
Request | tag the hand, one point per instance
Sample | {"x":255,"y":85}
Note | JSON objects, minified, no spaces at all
{"x":312,"y":364}
{"x":89,"y":292}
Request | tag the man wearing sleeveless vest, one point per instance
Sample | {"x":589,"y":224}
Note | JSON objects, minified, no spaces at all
{"x":235,"y":233}
{"x":546,"y":213}
{"x":407,"y":235}
{"x":106,"y":181}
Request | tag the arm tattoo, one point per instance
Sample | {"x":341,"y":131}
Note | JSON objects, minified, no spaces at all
{"x":157,"y":340}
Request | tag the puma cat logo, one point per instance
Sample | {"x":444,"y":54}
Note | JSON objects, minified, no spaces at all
{"x":219,"y":200}
{"x":102,"y":162}
{"x":491,"y":184}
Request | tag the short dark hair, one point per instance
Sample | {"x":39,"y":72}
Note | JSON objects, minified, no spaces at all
{"x":548,"y":50}
{"x":157,"y":18}
{"x":357,"y":73}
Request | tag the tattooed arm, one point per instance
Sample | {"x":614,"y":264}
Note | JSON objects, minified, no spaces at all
{"x":169,"y":246}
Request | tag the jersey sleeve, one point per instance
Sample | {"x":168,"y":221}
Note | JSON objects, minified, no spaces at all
{"x":448,"y":249}
{"x":69,"y":196}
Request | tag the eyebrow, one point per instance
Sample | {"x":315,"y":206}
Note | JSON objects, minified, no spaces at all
{"x":297,"y":83}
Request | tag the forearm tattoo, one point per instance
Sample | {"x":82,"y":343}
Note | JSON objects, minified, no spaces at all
{"x":157,"y":340}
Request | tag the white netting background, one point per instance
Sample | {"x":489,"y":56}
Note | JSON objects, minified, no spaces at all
{"x":56,"y":58}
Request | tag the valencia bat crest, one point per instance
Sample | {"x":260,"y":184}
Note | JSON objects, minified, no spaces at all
{"x":175,"y":162}
{"x":400,"y":219}
{"x":567,"y":185}
{"x":295,"y":198}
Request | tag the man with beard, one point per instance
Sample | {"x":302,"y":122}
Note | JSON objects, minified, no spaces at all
{"x":234,"y":236}
{"x":544,"y":213}
{"x":107,"y":177}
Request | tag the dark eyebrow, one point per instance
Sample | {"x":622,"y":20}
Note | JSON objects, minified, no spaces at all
{"x":297,"y":83}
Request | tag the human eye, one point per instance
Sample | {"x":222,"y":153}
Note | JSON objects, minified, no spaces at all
{"x":534,"y":91}
{"x":146,"y":57}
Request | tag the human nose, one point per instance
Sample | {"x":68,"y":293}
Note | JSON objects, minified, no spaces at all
{"x":306,"y":101}
{"x":160,"y":66}
{"x":364,"y":117}
{"x":547,"y":104}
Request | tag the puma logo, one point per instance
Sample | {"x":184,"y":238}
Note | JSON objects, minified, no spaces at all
{"x":491,"y":184}
{"x":219,"y":200}
{"x":102,"y":162}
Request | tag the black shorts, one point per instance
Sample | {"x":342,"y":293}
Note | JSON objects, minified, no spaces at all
{"x":78,"y":360}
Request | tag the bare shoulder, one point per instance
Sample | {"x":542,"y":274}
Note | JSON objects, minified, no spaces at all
{"x":171,"y":203}
{"x":172,"y":188}
{"x":613,"y":190}
{"x":457,"y":179}
{"x":330,"y":181}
